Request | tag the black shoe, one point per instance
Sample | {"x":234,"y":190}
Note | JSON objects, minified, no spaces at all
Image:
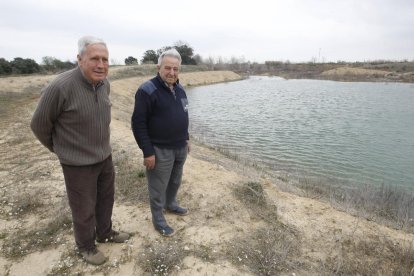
{"x":178,"y":211}
{"x":165,"y":231}
{"x":116,"y":237}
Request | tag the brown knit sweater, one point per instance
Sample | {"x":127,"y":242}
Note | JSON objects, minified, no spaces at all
{"x":72,"y":119}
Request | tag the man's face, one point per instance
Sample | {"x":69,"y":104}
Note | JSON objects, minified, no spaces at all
{"x":169,"y":69}
{"x":94,"y":62}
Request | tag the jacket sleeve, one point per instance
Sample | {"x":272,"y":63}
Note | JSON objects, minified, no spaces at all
{"x":45,"y":115}
{"x":139,"y":121}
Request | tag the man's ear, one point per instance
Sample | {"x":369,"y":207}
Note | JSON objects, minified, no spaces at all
{"x":79,"y":59}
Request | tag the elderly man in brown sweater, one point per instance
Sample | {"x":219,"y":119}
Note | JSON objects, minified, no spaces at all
{"x":72,"y":120}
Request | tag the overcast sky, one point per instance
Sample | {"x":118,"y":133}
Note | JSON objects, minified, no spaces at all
{"x":256,"y":31}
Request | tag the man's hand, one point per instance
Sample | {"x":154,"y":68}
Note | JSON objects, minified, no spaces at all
{"x":149,"y":162}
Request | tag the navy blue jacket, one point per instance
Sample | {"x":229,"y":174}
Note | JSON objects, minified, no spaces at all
{"x":160,"y":116}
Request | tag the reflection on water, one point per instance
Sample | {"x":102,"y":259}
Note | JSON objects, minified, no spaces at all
{"x":353,"y":132}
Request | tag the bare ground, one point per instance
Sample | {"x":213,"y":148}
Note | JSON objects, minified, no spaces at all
{"x":241,"y":222}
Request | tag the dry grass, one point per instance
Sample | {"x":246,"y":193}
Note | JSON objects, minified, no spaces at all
{"x":65,"y":266}
{"x":122,"y":72}
{"x":206,"y":253}
{"x":269,"y":250}
{"x":387,"y":205}
{"x":252,"y":195}
{"x":162,"y":258}
{"x":131,"y":182}
{"x":266,"y":251}
{"x":47,"y":234}
{"x":275,"y":249}
{"x":376,"y":256}
{"x":24,"y":203}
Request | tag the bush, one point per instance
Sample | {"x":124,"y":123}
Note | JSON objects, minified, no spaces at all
{"x":24,"y":66}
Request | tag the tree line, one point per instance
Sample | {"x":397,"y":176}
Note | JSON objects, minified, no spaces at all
{"x":49,"y":64}
{"x":53,"y":65}
{"x":29,"y":66}
{"x":151,"y":56}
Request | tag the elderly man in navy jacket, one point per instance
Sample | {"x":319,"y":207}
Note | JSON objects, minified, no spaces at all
{"x":160,"y":127}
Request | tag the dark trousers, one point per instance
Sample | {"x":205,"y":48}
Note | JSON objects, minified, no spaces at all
{"x":90,"y":192}
{"x":164,"y":181}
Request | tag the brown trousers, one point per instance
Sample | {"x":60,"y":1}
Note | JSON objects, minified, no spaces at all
{"x":90,"y":191}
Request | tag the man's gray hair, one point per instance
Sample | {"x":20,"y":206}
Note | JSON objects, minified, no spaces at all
{"x":169,"y":53}
{"x":85,"y":41}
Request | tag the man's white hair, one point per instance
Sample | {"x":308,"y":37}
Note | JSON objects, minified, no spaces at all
{"x":85,"y":41}
{"x":169,"y":53}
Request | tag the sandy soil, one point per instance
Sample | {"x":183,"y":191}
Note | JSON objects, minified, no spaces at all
{"x":364,"y":75}
{"x":354,"y":71}
{"x":29,"y":172}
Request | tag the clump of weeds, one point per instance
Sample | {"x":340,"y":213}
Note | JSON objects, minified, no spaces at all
{"x":270,"y":249}
{"x":162,"y":258}
{"x":131,"y":182}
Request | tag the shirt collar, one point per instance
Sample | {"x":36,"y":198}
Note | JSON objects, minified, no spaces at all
{"x":166,"y":84}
